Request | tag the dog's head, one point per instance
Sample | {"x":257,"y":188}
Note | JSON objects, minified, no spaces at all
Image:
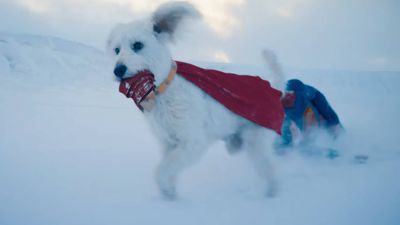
{"x":141,"y":45}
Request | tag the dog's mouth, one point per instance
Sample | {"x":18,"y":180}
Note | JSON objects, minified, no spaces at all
{"x":138,"y":86}
{"x":141,"y":73}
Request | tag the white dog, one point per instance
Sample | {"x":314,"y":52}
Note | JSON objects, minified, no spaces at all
{"x":186,"y":120}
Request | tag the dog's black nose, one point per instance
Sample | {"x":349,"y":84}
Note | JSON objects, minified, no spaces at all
{"x":120,"y":70}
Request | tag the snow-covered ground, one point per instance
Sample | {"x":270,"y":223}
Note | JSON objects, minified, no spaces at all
{"x":75,"y":151}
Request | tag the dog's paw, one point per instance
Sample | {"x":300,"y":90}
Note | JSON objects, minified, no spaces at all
{"x":270,"y":193}
{"x":169,"y":194}
{"x":272,"y":190}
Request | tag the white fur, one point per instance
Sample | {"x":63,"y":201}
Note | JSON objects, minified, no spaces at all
{"x":275,"y":69}
{"x":186,"y":120}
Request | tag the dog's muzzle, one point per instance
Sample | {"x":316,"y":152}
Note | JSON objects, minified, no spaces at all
{"x":120,"y":71}
{"x":138,"y":87}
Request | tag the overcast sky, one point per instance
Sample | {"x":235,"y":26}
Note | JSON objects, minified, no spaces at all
{"x":323,"y":34}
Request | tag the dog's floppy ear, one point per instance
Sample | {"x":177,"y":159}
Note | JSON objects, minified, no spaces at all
{"x":169,"y":16}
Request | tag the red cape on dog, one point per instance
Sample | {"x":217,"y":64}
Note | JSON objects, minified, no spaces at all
{"x":248,"y":96}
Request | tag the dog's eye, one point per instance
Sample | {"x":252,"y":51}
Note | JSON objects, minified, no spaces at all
{"x":117,"y":50}
{"x":137,"y":46}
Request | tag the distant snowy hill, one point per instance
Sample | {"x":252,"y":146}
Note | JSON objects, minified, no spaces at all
{"x":75,"y":151}
{"x":50,"y":59}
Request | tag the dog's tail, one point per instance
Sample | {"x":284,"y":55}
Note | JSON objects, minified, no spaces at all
{"x":277,"y":76}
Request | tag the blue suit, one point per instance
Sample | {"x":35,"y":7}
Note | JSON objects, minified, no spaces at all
{"x":309,"y":109}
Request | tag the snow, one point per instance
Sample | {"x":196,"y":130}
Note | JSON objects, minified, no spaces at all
{"x":73,"y":150}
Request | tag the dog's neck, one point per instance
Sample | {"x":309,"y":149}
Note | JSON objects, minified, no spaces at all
{"x":149,"y":102}
{"x":165,"y":84}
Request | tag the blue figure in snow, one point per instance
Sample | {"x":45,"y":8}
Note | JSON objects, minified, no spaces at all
{"x":307,"y":108}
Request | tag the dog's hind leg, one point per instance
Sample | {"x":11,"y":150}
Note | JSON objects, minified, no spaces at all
{"x":258,"y":143}
{"x":172,"y":163}
{"x":234,"y":143}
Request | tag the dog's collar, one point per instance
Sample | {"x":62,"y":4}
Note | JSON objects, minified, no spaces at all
{"x":149,"y":102}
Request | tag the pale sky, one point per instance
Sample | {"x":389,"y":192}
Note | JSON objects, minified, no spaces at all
{"x":315,"y":34}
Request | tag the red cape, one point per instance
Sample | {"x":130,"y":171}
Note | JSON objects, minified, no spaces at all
{"x":248,"y":96}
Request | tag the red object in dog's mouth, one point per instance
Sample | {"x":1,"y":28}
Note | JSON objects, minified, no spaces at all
{"x":138,"y":86}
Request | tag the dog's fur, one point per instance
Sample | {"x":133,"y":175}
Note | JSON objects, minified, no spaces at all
{"x":186,"y":120}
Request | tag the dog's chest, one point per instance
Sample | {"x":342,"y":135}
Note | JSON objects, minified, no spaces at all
{"x":185,"y":112}
{"x":179,"y":110}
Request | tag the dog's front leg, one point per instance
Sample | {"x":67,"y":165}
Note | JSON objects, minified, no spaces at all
{"x":173,"y":162}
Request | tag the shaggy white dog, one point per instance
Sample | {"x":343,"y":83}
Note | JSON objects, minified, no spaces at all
{"x":186,"y":120}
